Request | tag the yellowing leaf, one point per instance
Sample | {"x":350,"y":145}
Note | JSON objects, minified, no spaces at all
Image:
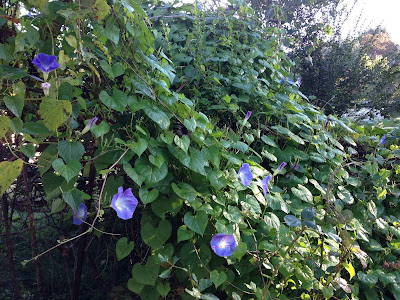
{"x":54,"y":113}
{"x":9,"y":172}
{"x":102,"y":9}
{"x":4,"y":125}
{"x":349,"y":267}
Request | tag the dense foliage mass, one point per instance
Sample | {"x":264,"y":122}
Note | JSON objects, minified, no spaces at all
{"x":173,"y":156}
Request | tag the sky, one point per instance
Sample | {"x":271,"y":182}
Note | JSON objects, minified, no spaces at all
{"x":377,"y":12}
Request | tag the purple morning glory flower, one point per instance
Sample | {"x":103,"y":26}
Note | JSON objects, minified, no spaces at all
{"x":265,"y":183}
{"x":46,"y":63}
{"x":89,"y":125}
{"x":283,"y":81}
{"x":383,"y":140}
{"x":245,"y":175}
{"x":223,"y":244}
{"x":298,"y":82}
{"x":296,"y":166}
{"x":124,"y":203}
{"x":80,"y":215}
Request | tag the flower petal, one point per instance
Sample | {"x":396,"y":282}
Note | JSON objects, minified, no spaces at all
{"x":124,"y":203}
{"x":223,"y":244}
{"x":245,"y":174}
{"x":46,"y":63}
{"x":265,"y":183}
{"x":80,"y":215}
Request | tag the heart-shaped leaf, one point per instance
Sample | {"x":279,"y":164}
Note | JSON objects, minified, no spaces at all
{"x":156,"y":237}
{"x":148,"y":196}
{"x":10,"y":171}
{"x":184,"y":234}
{"x":308,"y":213}
{"x":162,"y":289}
{"x":54,"y":112}
{"x":157,"y":161}
{"x":133,"y":174}
{"x":70,"y":150}
{"x":73,"y":198}
{"x":148,"y":273}
{"x":218,"y":278}
{"x":182,"y":142}
{"x":117,"y":101}
{"x":197,"y":223}
{"x":123,"y":248}
{"x":139,"y":147}
{"x":292,"y":221}
{"x":68,"y":171}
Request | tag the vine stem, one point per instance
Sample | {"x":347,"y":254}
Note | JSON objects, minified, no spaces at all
{"x":102,"y":188}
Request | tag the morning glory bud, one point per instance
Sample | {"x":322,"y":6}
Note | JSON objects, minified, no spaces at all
{"x":89,"y":125}
{"x":46,"y":87}
{"x":383,"y":140}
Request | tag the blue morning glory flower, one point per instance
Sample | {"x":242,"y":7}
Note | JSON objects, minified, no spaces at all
{"x":80,"y":215}
{"x":265,"y":183}
{"x":383,"y":140}
{"x":124,"y":203}
{"x":245,"y":175}
{"x":223,"y":244}
{"x":298,"y":82}
{"x":46,"y":63}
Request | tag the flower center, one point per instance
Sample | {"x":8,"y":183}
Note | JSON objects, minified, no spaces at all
{"x":222,"y":245}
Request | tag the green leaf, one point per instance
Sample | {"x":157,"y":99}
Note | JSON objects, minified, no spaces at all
{"x":123,"y":248}
{"x":57,"y":205}
{"x":15,"y":104}
{"x":135,"y":286}
{"x":71,"y":150}
{"x":16,"y":125}
{"x":345,"y":195}
{"x":148,"y":196}
{"x":9,"y":172}
{"x":292,"y":221}
{"x":46,"y":158}
{"x":184,"y":234}
{"x":157,"y":115}
{"x":29,"y":150}
{"x":163,"y":205}
{"x":118,"y":101}
{"x":303,"y":193}
{"x":328,"y":292}
{"x":369,"y":279}
{"x":148,"y":273}
{"x":182,"y":142}
{"x":156,"y":237}
{"x":151,"y":173}
{"x":218,"y":278}
{"x":111,"y":32}
{"x":139,"y":147}
{"x":233,"y":214}
{"x":197,"y":223}
{"x":308,"y":213}
{"x":185,"y":191}
{"x":240,"y":251}
{"x":276,"y":202}
{"x":101,"y":129}
{"x":52,"y":185}
{"x":162,"y":289}
{"x":4,"y":126}
{"x":73,"y":198}
{"x":112,"y":71}
{"x":54,"y":113}
{"x":69,"y":170}
{"x":272,"y":221}
{"x":133,"y":175}
{"x":157,"y":161}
